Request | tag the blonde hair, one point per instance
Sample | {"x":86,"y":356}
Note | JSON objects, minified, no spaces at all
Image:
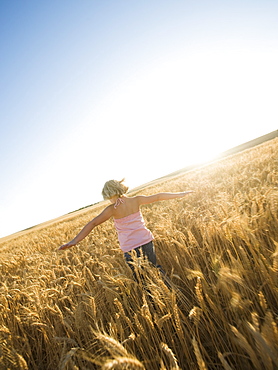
{"x":114,"y":187}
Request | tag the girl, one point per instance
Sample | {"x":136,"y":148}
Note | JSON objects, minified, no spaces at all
{"x":128,"y":220}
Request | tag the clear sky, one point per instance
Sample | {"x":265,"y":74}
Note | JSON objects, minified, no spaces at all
{"x":96,"y":90}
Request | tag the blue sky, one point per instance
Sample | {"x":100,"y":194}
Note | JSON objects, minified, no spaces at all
{"x":94,"y":90}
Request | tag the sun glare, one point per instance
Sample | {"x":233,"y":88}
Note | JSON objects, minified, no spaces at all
{"x":191,"y":110}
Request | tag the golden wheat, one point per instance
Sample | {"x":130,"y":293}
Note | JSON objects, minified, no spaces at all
{"x":81,"y":308}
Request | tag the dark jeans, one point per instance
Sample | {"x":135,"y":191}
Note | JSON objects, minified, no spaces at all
{"x":146,"y":250}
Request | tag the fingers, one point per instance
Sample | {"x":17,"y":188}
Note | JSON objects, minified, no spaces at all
{"x":65,"y":246}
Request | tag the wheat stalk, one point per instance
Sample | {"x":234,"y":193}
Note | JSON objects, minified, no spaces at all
{"x":218,"y":247}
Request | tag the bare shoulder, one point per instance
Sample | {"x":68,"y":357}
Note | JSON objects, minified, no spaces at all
{"x":146,"y":199}
{"x":132,"y":201}
{"x":107,"y":212}
{"x":102,"y":217}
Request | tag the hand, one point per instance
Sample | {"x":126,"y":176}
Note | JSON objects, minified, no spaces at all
{"x":66,"y":246}
{"x":188,"y":192}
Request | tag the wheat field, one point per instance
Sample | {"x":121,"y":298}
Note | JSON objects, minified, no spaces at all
{"x":81,"y":308}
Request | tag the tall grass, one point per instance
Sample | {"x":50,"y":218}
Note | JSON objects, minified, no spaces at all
{"x":81,"y":309}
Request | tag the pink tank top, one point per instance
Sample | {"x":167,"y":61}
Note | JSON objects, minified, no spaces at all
{"x":132,"y":232}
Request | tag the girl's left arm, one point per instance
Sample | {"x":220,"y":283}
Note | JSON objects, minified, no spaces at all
{"x":102,"y":217}
{"x":161,"y":196}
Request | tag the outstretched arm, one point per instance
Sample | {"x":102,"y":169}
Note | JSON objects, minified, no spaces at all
{"x":102,"y":217}
{"x":161,"y":196}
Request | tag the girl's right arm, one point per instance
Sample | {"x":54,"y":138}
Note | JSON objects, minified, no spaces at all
{"x":142,"y":199}
{"x":102,"y":217}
